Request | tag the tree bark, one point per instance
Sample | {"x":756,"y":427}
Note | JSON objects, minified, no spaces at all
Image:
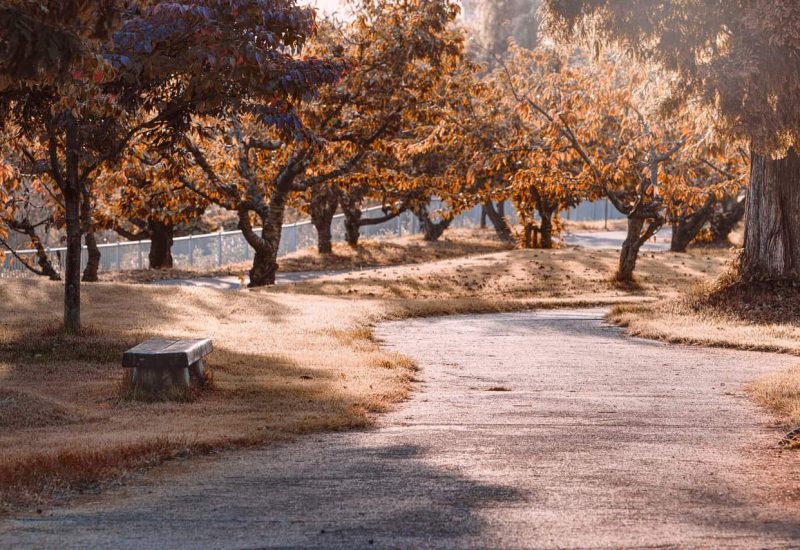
{"x":431,"y":231}
{"x":352,"y":225}
{"x":500,"y":223}
{"x":161,"y":239}
{"x":90,"y":272}
{"x":72,"y":265}
{"x":265,"y":259}
{"x":725,"y":219}
{"x":71,"y":190}
{"x":686,"y":229}
{"x":546,"y":228}
{"x":772,"y":219}
{"x":93,"y":252}
{"x":636,"y":237}
{"x":323,"y":208}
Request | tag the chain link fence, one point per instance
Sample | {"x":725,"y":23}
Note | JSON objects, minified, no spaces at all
{"x":230,"y":247}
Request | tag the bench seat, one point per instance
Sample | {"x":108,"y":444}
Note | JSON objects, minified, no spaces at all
{"x":164,"y":361}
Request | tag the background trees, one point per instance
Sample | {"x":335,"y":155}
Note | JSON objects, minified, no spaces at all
{"x":740,"y":58}
{"x":113,"y":120}
{"x":150,"y":80}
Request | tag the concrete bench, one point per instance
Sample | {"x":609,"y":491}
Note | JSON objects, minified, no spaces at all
{"x":161,"y":362}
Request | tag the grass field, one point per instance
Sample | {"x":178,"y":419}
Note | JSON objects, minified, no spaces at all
{"x":289,"y":360}
{"x":456,"y":243}
{"x":283,"y":365}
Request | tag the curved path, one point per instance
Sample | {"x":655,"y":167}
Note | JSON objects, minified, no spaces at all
{"x":597,"y":441}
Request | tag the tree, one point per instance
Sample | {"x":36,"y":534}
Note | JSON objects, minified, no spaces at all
{"x":497,"y":21}
{"x":399,"y":52}
{"x":49,"y":69}
{"x":739,"y":58}
{"x":26,"y":216}
{"x":712,"y":177}
{"x":604,"y":117}
{"x":139,"y":201}
{"x":157,"y":63}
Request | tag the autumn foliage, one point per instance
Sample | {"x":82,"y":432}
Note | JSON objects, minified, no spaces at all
{"x":137,"y":117}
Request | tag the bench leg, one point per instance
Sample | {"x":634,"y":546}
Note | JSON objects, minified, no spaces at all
{"x":180,"y":377}
{"x":147,"y":378}
{"x":198,"y":372}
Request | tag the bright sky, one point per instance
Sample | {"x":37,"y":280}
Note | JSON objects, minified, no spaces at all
{"x":327,"y":6}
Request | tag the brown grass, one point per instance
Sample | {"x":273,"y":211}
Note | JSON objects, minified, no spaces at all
{"x":595,"y":225}
{"x":780,"y":393}
{"x":284,"y":365}
{"x":517,"y":279}
{"x":413,"y":249}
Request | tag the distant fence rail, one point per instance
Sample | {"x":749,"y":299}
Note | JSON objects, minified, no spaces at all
{"x":230,"y":247}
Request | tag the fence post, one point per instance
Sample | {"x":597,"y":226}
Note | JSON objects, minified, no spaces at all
{"x":141,"y":259}
{"x":219,"y":248}
{"x":605,"y":205}
{"x":400,"y":225}
{"x":191,"y":251}
{"x":116,"y":253}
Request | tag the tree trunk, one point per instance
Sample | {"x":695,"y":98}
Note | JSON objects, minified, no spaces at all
{"x":500,"y":223}
{"x":431,"y":231}
{"x":72,"y":266}
{"x":686,"y":229}
{"x":323,"y":208}
{"x":93,"y":263}
{"x":546,"y":228}
{"x":772,"y":219}
{"x":636,"y":237}
{"x":161,"y":239}
{"x":725,"y":219}
{"x":93,"y":260}
{"x":352,"y":225}
{"x":46,"y":268}
{"x":70,"y":185}
{"x":265,"y":260}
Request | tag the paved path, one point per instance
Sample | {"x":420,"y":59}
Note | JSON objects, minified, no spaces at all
{"x":612,"y":240}
{"x":602,"y":441}
{"x":234,"y":283}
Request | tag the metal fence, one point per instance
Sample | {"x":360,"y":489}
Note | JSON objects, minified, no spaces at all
{"x":230,"y":247}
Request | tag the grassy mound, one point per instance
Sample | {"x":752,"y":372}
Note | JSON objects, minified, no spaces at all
{"x":20,"y":410}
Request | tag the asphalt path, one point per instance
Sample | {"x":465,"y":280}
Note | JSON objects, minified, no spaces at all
{"x":529,"y":430}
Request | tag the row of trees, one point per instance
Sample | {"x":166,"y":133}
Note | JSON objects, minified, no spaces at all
{"x":121,"y":127}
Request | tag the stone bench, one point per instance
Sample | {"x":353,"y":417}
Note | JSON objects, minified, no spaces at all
{"x":161,"y":362}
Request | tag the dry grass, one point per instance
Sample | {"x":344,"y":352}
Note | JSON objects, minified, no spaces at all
{"x":727,"y":316}
{"x":284,"y":365}
{"x":595,"y":225}
{"x":413,"y":249}
{"x":780,"y":392}
{"x":517,"y":279}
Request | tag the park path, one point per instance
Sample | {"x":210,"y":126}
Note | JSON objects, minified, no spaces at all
{"x":599,"y":441}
